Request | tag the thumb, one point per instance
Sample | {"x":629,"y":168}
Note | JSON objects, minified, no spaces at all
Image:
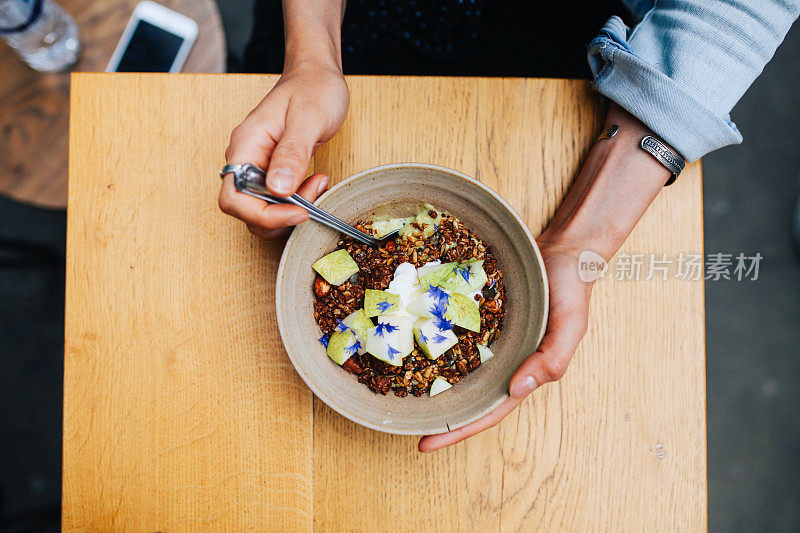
{"x":289,"y":162}
{"x":550,"y":361}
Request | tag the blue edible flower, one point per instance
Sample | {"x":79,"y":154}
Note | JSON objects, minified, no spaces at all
{"x":353,"y":348}
{"x":464,"y":271}
{"x":440,"y":309}
{"x":324,"y":339}
{"x":383,"y":306}
{"x":439,"y":338}
{"x":438,"y":293}
{"x":391,"y":351}
{"x":422,"y":338}
{"x":340,"y":327}
{"x":443,"y":324}
{"x":382,"y":328}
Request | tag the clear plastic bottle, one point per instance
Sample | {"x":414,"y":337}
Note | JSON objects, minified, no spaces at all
{"x":42,"y":33}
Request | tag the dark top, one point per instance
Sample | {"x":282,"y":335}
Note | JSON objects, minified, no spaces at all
{"x":449,"y":37}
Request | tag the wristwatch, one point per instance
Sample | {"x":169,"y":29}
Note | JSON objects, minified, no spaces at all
{"x":655,"y":147}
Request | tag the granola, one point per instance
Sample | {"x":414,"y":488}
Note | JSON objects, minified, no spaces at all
{"x":414,"y":311}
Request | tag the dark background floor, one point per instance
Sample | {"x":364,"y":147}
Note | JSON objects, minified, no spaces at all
{"x":752,"y":327}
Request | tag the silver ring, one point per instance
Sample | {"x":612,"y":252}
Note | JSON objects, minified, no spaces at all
{"x":227,"y":169}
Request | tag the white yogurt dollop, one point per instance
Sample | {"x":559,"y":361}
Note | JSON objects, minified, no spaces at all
{"x":405,"y":284}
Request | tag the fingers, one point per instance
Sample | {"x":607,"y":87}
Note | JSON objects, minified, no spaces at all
{"x":436,"y":442}
{"x":289,"y":161}
{"x":251,"y":142}
{"x":313,"y":187}
{"x":565,"y":330}
{"x":265,"y":220}
{"x":246,"y":147}
{"x":257,"y":212}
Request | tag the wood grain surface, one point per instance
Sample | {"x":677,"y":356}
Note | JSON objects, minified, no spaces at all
{"x":34,"y":106}
{"x":181,"y":410}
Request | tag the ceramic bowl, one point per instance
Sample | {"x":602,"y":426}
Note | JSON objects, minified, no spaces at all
{"x":394,"y":188}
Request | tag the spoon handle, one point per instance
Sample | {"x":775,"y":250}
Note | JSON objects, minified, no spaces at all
{"x":250,"y":180}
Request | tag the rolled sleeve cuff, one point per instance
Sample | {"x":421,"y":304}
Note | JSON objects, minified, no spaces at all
{"x":663,"y":104}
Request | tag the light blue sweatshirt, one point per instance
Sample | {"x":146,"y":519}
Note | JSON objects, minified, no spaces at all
{"x":682,"y":68}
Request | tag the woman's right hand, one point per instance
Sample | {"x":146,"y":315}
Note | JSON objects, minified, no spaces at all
{"x":304,"y":110}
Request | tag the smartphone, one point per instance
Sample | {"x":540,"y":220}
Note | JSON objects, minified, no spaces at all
{"x":156,"y":39}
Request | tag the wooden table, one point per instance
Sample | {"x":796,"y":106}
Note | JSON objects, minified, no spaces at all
{"x":182,"y":411}
{"x":34,"y":106}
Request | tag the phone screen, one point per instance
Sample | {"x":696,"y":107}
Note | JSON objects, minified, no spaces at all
{"x":151,"y":49}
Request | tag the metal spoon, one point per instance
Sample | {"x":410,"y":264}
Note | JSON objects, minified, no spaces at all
{"x":251,"y":180}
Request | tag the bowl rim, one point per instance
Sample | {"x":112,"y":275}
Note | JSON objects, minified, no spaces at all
{"x":540,"y":260}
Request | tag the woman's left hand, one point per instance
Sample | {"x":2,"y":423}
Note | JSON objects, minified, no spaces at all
{"x":569,"y":311}
{"x":614,"y":188}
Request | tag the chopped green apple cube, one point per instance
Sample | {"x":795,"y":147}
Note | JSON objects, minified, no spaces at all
{"x":336,"y":267}
{"x":382,"y":228}
{"x":463,"y":311}
{"x":380,"y":302}
{"x":434,"y":274}
{"x":477,"y":275}
{"x":342,"y":345}
{"x":467,"y":278}
{"x":358,"y":323}
{"x":426,"y":224}
{"x":432,"y":339}
{"x":427,"y":268}
{"x":439,"y":385}
{"x":391,"y":340}
{"x":455,"y":283}
{"x":485,"y":353}
{"x":430,"y":304}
